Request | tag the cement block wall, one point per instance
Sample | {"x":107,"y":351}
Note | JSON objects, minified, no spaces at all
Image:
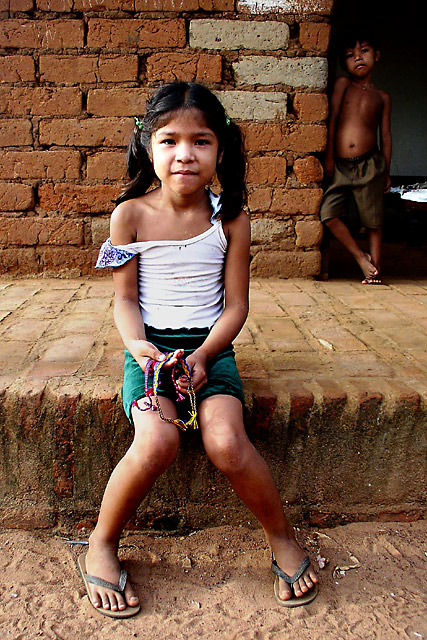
{"x":73,"y":75}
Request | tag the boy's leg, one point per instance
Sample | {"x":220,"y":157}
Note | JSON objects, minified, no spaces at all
{"x":228,"y":447}
{"x":375,"y":239}
{"x":153,"y":450}
{"x":341,"y":232}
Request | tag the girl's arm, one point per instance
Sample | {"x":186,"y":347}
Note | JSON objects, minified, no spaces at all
{"x":236,"y":303}
{"x":127,"y":313}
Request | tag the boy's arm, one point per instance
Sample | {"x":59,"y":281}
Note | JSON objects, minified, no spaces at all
{"x":335,"y":102}
{"x":385,"y":135}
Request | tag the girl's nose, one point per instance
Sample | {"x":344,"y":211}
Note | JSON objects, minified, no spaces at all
{"x":184,"y":153}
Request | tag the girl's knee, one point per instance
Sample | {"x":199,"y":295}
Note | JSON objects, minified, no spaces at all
{"x":155,"y":447}
{"x":228,"y":453}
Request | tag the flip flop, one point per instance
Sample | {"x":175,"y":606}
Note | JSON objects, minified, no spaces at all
{"x":373,"y":280}
{"x":293,"y":602}
{"x":120,"y":588}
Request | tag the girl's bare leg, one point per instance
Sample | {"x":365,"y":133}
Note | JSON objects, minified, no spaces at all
{"x":227,"y":445}
{"x":153,"y":450}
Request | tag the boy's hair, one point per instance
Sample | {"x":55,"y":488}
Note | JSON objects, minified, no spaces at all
{"x":353,"y":34}
{"x":172,"y":97}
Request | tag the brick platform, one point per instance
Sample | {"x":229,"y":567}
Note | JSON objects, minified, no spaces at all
{"x":335,"y":380}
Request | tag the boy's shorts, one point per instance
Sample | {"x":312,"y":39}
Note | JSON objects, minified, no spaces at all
{"x":223,"y":377}
{"x":364,"y":177}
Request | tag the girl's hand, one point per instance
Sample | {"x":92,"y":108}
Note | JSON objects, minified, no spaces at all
{"x":142,"y":351}
{"x":197,"y":363}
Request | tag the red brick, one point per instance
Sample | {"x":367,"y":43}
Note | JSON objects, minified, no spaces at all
{"x":55,"y":165}
{"x":309,"y":234}
{"x":131,"y":34}
{"x":17,"y":69}
{"x":267,"y":170}
{"x":311,"y":107}
{"x":88,"y":69}
{"x":333,"y":395}
{"x":91,"y":132}
{"x":308,"y":170}
{"x":18,"y":260}
{"x":118,"y":68}
{"x":61,"y":6}
{"x":264,"y":137}
{"x":64,"y":261}
{"x":259,"y":199}
{"x":22,"y":101}
{"x":16,"y":5}
{"x":41,"y":34}
{"x":36,"y":231}
{"x":294,"y":201}
{"x":264,"y":402}
{"x":77,"y":198}
{"x":15,"y":133}
{"x":16,"y":197}
{"x":103,"y":5}
{"x":301,"y":398}
{"x":306,"y":138}
{"x":315,"y":36}
{"x":116,"y":102}
{"x":194,"y":67}
{"x":286,"y":264}
{"x":184,"y":5}
{"x":106,"y":165}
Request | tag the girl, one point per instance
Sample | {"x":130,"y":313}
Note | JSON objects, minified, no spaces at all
{"x":185,"y":294}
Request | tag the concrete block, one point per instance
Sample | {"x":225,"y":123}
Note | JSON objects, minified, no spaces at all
{"x":237,"y":34}
{"x":247,"y":105}
{"x":294,"y":72}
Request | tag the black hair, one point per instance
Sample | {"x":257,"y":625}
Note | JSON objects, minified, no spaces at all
{"x":231,"y":167}
{"x":350,"y":36}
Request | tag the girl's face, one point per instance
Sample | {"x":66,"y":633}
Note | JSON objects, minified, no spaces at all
{"x":184,"y":152}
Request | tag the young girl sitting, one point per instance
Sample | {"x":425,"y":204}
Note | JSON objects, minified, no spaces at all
{"x":186,"y":294}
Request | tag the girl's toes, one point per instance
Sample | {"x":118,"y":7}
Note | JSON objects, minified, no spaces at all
{"x":297,"y":589}
{"x":133,"y":601}
{"x":285,"y":592}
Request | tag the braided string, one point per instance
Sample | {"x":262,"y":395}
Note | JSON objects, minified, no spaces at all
{"x":151,"y":393}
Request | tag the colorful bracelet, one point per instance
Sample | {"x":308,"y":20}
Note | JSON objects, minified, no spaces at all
{"x":151,"y":393}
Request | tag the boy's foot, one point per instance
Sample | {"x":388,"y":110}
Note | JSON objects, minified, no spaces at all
{"x":375,"y":280}
{"x":289,"y":557}
{"x":101,"y":562}
{"x":365,"y":263}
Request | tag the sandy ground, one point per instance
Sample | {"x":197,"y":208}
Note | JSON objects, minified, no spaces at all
{"x":216,"y":584}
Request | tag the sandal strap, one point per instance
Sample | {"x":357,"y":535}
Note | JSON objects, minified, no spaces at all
{"x":109,"y":585}
{"x":297,"y":575}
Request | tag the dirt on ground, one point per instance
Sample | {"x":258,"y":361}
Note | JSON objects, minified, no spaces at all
{"x":216,"y":583}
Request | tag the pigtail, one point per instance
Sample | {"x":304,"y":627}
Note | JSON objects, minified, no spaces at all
{"x":140,"y":168}
{"x":231,"y":172}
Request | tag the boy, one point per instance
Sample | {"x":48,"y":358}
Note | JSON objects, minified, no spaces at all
{"x":357,"y":110}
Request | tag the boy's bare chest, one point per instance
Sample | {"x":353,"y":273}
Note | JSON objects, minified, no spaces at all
{"x":362,"y":104}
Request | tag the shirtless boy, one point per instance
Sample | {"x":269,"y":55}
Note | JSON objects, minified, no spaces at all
{"x":357,"y":111}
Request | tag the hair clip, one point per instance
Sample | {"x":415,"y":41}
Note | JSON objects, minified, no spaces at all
{"x":227,"y":121}
{"x":138,"y":123}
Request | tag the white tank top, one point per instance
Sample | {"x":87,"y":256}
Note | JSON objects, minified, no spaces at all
{"x":181,"y":282}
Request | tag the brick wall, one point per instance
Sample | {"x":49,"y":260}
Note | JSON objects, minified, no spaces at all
{"x":74,"y":72}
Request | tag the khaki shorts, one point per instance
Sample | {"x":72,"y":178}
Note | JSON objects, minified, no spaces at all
{"x":364,"y":178}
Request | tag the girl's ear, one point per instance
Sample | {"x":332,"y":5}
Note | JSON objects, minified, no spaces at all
{"x":220,"y":156}
{"x":377,"y":55}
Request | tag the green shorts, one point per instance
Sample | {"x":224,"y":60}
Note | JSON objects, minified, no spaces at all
{"x":223,"y":377}
{"x":364,"y":178}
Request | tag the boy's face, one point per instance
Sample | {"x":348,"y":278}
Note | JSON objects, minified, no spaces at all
{"x":360,"y":59}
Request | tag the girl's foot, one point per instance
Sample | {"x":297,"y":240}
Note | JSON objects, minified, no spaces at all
{"x":365,"y":263}
{"x":102,"y":562}
{"x":289,"y":556}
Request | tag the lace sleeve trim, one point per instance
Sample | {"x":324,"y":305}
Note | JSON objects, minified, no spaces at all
{"x":110,"y":256}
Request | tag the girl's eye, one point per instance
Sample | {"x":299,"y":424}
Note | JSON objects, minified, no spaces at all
{"x":168,"y":141}
{"x":202,"y":142}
